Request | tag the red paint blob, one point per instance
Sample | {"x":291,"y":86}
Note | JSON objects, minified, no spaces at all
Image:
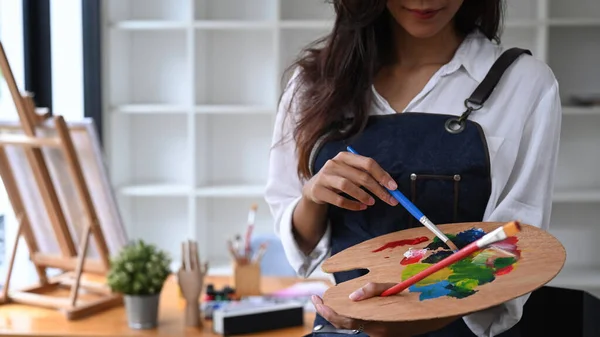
{"x":399,"y":243}
{"x":509,"y":244}
{"x":504,"y":271}
{"x":410,"y":260}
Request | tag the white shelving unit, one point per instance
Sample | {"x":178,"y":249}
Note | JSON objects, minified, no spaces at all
{"x":192,"y":86}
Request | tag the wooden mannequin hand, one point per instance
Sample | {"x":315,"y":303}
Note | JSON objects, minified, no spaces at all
{"x":377,"y":329}
{"x":191,"y":283}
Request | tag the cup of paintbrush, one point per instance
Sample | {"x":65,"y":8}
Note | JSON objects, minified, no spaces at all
{"x":191,"y":281}
{"x":236,"y":255}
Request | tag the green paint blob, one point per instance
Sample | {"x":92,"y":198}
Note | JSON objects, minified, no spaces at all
{"x":503,"y":262}
{"x":464,"y":269}
{"x":413,"y":269}
{"x":460,"y":292}
{"x":468,"y":284}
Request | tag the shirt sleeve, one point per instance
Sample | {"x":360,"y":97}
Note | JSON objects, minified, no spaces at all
{"x":527,"y":197}
{"x":284,"y":188}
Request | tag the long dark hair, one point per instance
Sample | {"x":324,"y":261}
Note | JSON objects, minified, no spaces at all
{"x":337,"y":71}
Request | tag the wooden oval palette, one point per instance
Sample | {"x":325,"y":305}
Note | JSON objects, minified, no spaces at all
{"x":497,"y":274}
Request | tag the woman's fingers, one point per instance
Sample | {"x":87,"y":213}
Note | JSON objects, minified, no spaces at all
{"x":349,"y":187}
{"x":370,"y":290}
{"x":348,"y":173}
{"x":326,"y":195}
{"x":368,"y":165}
{"x":363,"y":178}
{"x":340,"y":322}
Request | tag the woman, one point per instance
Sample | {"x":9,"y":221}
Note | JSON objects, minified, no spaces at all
{"x":402,"y":81}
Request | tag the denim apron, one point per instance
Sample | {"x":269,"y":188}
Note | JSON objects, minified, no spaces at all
{"x":440,"y":162}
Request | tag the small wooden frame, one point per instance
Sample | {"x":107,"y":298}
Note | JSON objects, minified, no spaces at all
{"x":539,"y":255}
{"x":69,"y":256}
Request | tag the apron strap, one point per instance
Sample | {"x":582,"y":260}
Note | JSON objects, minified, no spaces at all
{"x":486,"y":87}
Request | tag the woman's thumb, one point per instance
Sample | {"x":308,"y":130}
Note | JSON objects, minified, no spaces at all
{"x":370,"y":290}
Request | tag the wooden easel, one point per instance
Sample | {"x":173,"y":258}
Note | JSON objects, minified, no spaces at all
{"x":72,"y":260}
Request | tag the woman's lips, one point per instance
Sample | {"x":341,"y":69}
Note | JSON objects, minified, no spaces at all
{"x":424,"y":14}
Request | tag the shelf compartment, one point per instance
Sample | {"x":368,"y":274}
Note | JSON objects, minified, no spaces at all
{"x":579,"y":241}
{"x":522,"y":37}
{"x":577,"y":73}
{"x":149,"y":25}
{"x":152,"y":150}
{"x":521,"y":11}
{"x":226,"y":218}
{"x":306,"y":10}
{"x":579,"y":195}
{"x":236,"y":10}
{"x":293,"y":41}
{"x":306,"y":24}
{"x":150,"y":67}
{"x":235,"y":67}
{"x":578,"y":160}
{"x":234,"y":25}
{"x":166,"y":10}
{"x":164,"y":190}
{"x":578,"y":277}
{"x":576,"y":22}
{"x":235,"y":109}
{"x":561,"y":9}
{"x":581,"y":110}
{"x":150,"y":109}
{"x":231,"y":191}
{"x":160,"y":221}
{"x":232,"y":152}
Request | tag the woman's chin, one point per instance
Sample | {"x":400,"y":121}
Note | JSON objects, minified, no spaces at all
{"x":422,"y":31}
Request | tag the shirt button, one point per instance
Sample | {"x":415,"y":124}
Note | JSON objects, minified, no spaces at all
{"x":315,"y":254}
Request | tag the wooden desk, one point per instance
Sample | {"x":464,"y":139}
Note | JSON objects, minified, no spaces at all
{"x":21,"y":320}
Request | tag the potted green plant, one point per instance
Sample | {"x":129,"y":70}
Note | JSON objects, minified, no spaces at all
{"x":139,"y":272}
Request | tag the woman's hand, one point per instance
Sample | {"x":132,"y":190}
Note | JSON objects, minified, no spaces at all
{"x":347,"y":173}
{"x":377,"y":329}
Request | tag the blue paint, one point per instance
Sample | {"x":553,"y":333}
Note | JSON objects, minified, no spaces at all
{"x":470,"y":235}
{"x":461,"y":239}
{"x":435,"y":290}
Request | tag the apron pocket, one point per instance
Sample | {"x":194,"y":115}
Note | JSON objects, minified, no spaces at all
{"x":436,"y":195}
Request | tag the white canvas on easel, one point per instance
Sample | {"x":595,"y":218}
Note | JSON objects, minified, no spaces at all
{"x":63,"y":204}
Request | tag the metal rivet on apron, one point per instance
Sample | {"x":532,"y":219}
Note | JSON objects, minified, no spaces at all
{"x":454,"y":125}
{"x":457,"y":177}
{"x":318,"y":327}
{"x":413,"y":176}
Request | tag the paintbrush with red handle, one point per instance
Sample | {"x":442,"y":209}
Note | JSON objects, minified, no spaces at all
{"x":499,"y":234}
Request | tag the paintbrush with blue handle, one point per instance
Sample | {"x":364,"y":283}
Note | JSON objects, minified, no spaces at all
{"x":414,"y":211}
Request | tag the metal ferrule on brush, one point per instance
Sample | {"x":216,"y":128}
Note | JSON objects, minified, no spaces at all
{"x":509,"y":229}
{"x":427,"y":223}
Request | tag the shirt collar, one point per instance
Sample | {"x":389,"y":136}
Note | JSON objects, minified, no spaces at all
{"x":476,"y":54}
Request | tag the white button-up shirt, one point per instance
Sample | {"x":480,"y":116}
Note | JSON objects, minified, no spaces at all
{"x":521,"y":121}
